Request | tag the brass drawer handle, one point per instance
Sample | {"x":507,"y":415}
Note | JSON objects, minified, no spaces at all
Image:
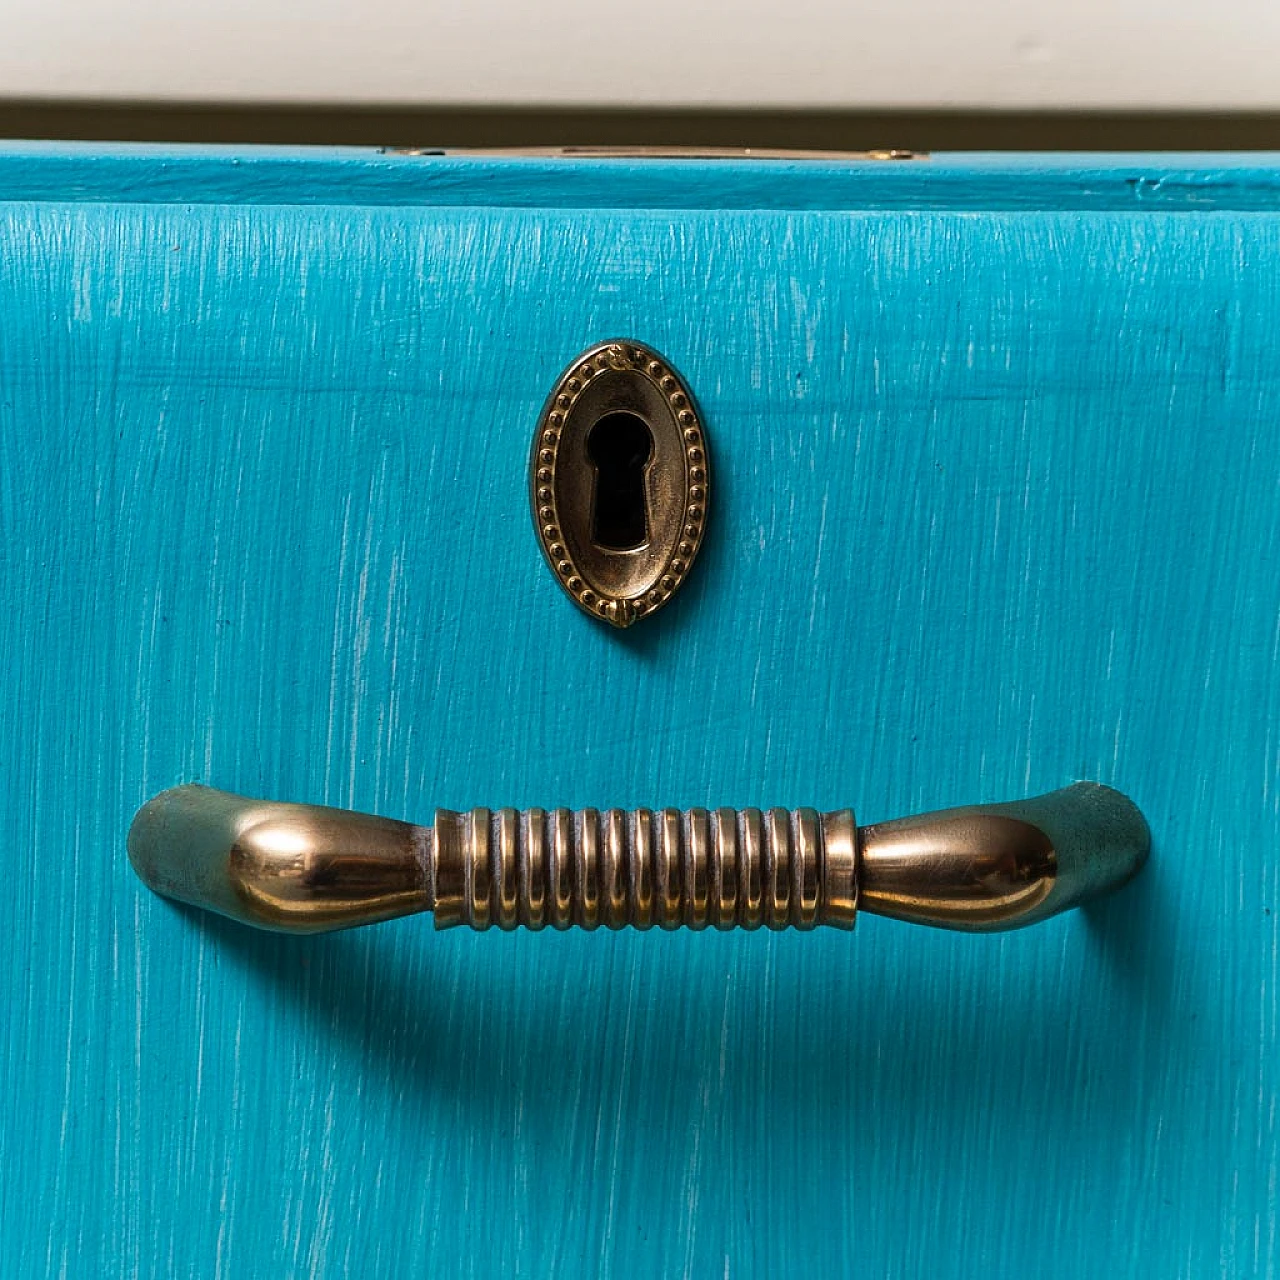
{"x":305,"y":869}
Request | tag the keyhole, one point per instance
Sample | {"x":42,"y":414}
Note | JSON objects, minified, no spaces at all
{"x":620,"y":445}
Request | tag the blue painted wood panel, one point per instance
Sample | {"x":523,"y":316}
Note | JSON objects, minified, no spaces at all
{"x":998,"y":508}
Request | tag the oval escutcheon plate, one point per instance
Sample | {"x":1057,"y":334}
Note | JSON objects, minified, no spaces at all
{"x":620,"y":481}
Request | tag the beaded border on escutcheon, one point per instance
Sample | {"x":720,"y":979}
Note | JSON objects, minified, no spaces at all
{"x":621,"y":611}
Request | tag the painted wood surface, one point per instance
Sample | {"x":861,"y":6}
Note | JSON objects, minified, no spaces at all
{"x":955,"y":182}
{"x":998,"y":509}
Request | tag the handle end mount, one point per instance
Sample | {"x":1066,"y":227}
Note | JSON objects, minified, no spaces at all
{"x":1002,"y":866}
{"x":295,"y":868}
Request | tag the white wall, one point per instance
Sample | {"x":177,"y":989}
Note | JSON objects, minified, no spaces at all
{"x":1147,"y":54}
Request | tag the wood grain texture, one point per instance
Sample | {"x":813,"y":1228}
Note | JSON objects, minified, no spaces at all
{"x":998,"y":509}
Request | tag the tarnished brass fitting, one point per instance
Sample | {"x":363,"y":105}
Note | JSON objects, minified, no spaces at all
{"x":305,"y":869}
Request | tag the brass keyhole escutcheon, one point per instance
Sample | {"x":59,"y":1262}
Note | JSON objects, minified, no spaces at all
{"x":620,"y":481}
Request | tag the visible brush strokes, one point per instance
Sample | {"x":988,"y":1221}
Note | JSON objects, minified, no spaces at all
{"x":263,"y":491}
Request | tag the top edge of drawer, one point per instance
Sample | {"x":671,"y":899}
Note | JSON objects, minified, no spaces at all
{"x":578,"y":179}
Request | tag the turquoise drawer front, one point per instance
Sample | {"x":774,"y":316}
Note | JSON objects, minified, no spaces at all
{"x":998,"y":507}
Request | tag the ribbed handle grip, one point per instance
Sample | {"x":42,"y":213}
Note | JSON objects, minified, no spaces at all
{"x":693,"y":869}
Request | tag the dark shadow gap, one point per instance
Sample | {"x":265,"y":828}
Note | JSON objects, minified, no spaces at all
{"x":542,"y":126}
